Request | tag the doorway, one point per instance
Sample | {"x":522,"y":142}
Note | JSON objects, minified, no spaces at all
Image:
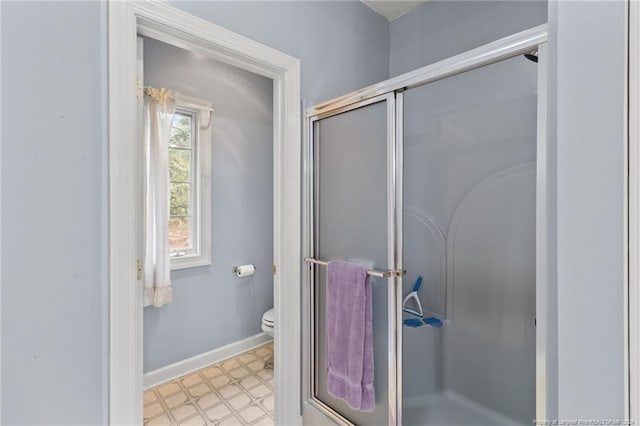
{"x":164,"y":23}
{"x":220,"y":170}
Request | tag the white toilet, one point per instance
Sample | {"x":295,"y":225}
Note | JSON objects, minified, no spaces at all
{"x":268,"y":321}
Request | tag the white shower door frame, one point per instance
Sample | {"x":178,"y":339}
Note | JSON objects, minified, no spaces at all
{"x":392,"y":91}
{"x":393,"y":283}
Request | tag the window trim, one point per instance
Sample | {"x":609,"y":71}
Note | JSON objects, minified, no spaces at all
{"x":200,"y":181}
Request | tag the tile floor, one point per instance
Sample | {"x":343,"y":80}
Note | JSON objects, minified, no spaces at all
{"x":238,"y":391}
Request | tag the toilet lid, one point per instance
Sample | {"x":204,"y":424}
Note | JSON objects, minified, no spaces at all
{"x":268,"y":317}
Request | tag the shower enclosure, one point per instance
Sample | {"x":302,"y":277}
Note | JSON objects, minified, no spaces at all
{"x":439,"y":173}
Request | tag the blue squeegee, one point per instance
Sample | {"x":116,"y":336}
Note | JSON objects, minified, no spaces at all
{"x":433,"y":322}
{"x":412,"y":322}
{"x":413,"y":296}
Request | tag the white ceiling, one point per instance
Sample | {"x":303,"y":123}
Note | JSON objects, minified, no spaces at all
{"x":392,"y":9}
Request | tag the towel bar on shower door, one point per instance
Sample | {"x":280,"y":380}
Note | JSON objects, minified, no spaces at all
{"x":373,"y":273}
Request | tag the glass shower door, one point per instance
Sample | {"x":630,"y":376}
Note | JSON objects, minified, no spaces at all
{"x":469,"y":229}
{"x":352,"y":219}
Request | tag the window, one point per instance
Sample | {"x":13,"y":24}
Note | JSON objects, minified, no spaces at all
{"x":189,"y":176}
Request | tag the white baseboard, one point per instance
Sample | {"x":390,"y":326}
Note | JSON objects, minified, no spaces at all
{"x":189,"y":365}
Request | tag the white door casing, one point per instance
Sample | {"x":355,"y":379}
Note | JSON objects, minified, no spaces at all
{"x":632,"y":221}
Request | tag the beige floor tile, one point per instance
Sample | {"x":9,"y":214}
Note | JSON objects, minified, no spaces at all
{"x":194,"y":421}
{"x":229,"y":391}
{"x":247,"y":358}
{"x":265,"y":421}
{"x":230,"y":364}
{"x":149,"y":396}
{"x":199,"y":390}
{"x":260,"y":391}
{"x":191,"y":380}
{"x":184,"y":411}
{"x":220,"y":381}
{"x":256,"y":365}
{"x":231,"y":421}
{"x":263,"y":352}
{"x":269,"y":382}
{"x":218,"y":412}
{"x":169,"y":389}
{"x":251,"y":413}
{"x":238,"y":391}
{"x":265,"y":374}
{"x":176,"y":399}
{"x":268,"y":403}
{"x":211,"y":372}
{"x":249,"y":382}
{"x":163,"y":420}
{"x":239,"y":401}
{"x":240,"y":372}
{"x":208,"y":401}
{"x":152,"y":410}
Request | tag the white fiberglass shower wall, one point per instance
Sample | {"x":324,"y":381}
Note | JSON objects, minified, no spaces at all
{"x":434,"y":174}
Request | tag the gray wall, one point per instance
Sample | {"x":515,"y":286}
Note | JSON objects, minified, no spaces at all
{"x":212,"y":307}
{"x":54,"y":279}
{"x":342,"y":45}
{"x":442,"y":28}
{"x":587,"y":45}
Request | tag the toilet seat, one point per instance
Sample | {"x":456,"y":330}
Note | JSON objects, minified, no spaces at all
{"x":268,"y":322}
{"x":268,"y":317}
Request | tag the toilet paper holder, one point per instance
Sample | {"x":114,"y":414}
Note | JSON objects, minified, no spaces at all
{"x":235,"y":269}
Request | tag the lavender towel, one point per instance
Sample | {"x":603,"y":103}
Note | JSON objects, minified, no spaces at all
{"x":350,"y":335}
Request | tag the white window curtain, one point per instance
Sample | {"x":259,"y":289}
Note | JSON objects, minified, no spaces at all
{"x":159,"y":107}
